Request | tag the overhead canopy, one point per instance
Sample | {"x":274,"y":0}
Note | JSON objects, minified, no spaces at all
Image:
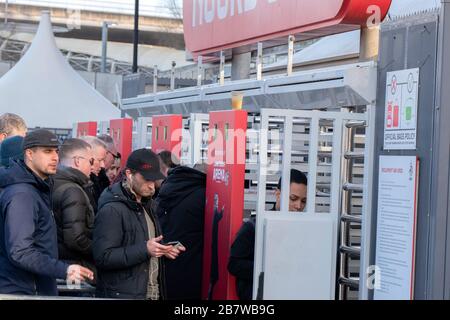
{"x":340,"y":46}
{"x":44,"y":89}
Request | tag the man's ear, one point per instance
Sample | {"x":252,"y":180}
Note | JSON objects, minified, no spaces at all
{"x":76,"y":161}
{"x":28,"y":154}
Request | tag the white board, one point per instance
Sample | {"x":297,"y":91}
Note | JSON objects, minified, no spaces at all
{"x":396,"y":227}
{"x":400,"y":122}
{"x":299,"y":258}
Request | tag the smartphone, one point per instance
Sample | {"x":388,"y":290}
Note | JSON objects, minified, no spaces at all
{"x":173,"y":243}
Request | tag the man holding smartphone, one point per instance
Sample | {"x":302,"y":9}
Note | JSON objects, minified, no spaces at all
{"x":127,"y":237}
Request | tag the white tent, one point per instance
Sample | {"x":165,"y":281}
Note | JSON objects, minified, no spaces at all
{"x":44,"y":89}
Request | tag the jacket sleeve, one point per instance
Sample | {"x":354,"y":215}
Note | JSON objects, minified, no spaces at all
{"x":241,"y":261}
{"x":109,"y":254}
{"x":74,"y":208}
{"x":20,"y":220}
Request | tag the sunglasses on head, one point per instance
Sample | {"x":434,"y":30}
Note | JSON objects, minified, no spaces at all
{"x":115,"y":156}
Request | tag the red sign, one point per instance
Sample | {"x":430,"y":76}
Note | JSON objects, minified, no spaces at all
{"x":214,"y":25}
{"x":225,"y":200}
{"x":166,"y":133}
{"x":87,"y":129}
{"x":121,"y":130}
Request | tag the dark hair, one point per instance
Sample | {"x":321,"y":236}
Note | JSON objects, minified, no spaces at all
{"x":296,"y":177}
{"x":70,"y":146}
{"x":169,"y":159}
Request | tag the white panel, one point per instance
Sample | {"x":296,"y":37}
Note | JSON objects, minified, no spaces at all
{"x":308,"y":273}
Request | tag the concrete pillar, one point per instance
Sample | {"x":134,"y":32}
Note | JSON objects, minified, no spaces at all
{"x":240,"y":65}
{"x":369,"y":43}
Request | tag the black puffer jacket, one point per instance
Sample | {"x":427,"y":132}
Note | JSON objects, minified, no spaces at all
{"x":241,"y":260}
{"x":120,"y":246}
{"x":74,"y":215}
{"x":180,"y":208}
{"x":99,"y":184}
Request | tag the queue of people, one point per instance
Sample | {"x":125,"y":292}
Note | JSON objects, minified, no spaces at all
{"x":74,"y":211}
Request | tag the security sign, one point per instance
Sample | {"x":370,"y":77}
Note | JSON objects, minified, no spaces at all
{"x":400,"y":123}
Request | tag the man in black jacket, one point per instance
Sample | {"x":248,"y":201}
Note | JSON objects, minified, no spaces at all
{"x":29,"y":262}
{"x":127,"y":235}
{"x":181,"y":210}
{"x":112,"y":159}
{"x":98,"y":176}
{"x":241,"y":261}
{"x":72,"y":200}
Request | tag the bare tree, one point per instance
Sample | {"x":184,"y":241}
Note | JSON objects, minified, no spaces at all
{"x":175,"y":8}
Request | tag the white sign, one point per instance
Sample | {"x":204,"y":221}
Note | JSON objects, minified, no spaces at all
{"x":400,"y":122}
{"x":396,"y":227}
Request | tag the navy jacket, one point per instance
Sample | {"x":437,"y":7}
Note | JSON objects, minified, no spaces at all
{"x":28,"y":241}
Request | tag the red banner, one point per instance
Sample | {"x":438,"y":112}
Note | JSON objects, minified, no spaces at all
{"x":121,"y":130}
{"x":87,"y":129}
{"x":166,"y":134}
{"x":214,"y":25}
{"x":225,"y":200}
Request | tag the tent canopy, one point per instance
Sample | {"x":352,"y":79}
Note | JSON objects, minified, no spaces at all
{"x":44,"y":89}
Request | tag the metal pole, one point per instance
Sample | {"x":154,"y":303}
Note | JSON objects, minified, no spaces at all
{"x":155,"y":78}
{"x":6,"y":11}
{"x":199,"y":70}
{"x":222,"y":68}
{"x":172,"y":76}
{"x":104,"y":44}
{"x":136,"y":36}
{"x":290,"y":54}
{"x":259,"y":58}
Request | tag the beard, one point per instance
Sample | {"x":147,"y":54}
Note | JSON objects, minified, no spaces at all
{"x":140,"y":189}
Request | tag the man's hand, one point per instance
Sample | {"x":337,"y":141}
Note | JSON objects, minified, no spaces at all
{"x":156,"y":249}
{"x":77,"y":273}
{"x":174,"y":251}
